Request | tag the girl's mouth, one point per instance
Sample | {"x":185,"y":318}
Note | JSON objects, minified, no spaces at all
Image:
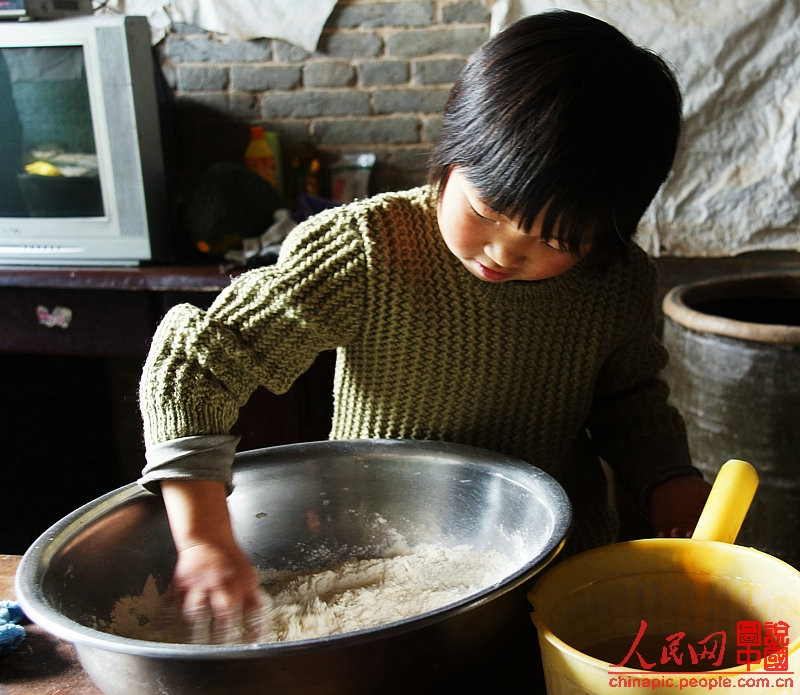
{"x":490,"y":274}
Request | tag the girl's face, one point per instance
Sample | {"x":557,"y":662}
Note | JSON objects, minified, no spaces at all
{"x":492,"y":246}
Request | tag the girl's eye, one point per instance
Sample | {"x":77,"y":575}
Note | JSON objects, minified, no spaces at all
{"x":555,"y":245}
{"x":477,"y":214}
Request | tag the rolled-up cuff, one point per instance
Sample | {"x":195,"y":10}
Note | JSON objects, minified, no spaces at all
{"x":203,"y":457}
{"x":663,"y":477}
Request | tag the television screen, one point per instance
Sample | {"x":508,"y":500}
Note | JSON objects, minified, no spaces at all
{"x":49,"y":168}
{"x":82,"y":176}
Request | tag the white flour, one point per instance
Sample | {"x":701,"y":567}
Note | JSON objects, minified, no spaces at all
{"x":355,"y":595}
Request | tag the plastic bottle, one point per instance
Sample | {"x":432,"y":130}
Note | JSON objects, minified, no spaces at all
{"x":259,"y":157}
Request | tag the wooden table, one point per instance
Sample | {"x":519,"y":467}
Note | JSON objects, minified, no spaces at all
{"x":42,"y":664}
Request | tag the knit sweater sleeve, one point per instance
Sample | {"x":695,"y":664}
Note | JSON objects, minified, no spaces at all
{"x":266,"y":328}
{"x":633,"y":425}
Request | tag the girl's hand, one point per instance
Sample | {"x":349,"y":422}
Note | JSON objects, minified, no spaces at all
{"x":676,"y":504}
{"x":214,"y":592}
{"x":214,"y":587}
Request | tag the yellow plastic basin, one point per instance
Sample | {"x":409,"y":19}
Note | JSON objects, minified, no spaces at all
{"x":669,"y":601}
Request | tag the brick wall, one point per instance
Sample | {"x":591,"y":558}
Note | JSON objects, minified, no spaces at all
{"x":376,"y":83}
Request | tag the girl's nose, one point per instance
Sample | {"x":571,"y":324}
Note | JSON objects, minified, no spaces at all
{"x":504,"y":255}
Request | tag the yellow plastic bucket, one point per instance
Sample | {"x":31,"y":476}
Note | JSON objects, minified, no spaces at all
{"x":673,"y":615}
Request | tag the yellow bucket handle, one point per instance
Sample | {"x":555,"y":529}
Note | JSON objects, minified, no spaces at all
{"x":727,"y":503}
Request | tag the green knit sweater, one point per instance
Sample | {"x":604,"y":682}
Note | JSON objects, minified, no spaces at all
{"x":428,"y":351}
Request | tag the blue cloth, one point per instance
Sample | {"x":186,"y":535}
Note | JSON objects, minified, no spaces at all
{"x":11,"y":633}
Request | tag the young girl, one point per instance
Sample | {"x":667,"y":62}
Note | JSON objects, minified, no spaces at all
{"x":504,"y":305}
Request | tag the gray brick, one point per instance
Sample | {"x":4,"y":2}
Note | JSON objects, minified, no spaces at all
{"x":329,"y":74}
{"x":180,"y":49}
{"x":289,"y":105}
{"x":410,"y":158}
{"x":183,"y":28}
{"x":170,"y":73}
{"x":437,"y":71}
{"x":286,"y":52}
{"x":422,"y":42}
{"x":262,"y":77}
{"x":244,"y":106}
{"x":351,"y":45}
{"x":204,"y":49}
{"x":410,"y":100}
{"x":365,"y":131}
{"x":234,"y":51}
{"x":193,"y":78}
{"x":291,"y":133}
{"x":417,"y":13}
{"x":383,"y":72}
{"x":431,"y":127}
{"x":466,"y":12}
{"x":314,"y":104}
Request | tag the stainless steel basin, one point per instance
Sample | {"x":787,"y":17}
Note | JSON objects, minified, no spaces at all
{"x":307,"y":507}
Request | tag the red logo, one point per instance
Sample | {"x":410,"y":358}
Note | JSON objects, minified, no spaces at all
{"x":754,"y":641}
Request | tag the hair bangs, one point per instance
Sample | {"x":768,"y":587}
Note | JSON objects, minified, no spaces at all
{"x":561,"y":123}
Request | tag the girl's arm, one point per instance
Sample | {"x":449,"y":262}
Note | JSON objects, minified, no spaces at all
{"x":634,"y":426}
{"x":265,"y":329}
{"x":214,"y":585}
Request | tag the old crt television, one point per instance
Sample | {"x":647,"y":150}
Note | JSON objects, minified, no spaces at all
{"x":82,"y":177}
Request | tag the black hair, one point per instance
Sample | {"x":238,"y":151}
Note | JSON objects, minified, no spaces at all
{"x":561,"y":112}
